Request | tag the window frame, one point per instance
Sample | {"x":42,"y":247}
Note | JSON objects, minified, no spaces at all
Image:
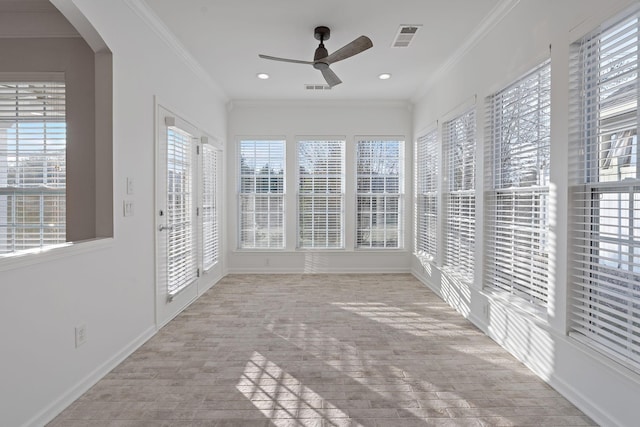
{"x":399,"y":195}
{"x":53,"y":83}
{"x":517,"y":208}
{"x":427,"y":194}
{"x":269,"y":195}
{"x":341,"y":141}
{"x":460,"y":224}
{"x":605,"y":290}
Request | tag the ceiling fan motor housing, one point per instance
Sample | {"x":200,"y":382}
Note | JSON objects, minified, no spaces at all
{"x":322,"y":33}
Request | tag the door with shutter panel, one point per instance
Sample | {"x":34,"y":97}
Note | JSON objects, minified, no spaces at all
{"x":176,"y":228}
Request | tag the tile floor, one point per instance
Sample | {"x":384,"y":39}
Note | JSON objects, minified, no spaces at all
{"x":320,"y":350}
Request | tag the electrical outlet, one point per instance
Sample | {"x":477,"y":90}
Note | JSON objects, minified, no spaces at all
{"x":81,"y":334}
{"x":129,"y":185}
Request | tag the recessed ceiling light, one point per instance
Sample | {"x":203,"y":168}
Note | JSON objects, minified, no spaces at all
{"x":262,"y":76}
{"x":384,"y":76}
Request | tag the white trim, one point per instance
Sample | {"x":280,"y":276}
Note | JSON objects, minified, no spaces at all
{"x":319,"y":103}
{"x":303,"y":270}
{"x":495,"y":16}
{"x":142,"y":9}
{"x":52,"y":253}
{"x":33,"y":76}
{"x":608,"y":16}
{"x":77,"y":390}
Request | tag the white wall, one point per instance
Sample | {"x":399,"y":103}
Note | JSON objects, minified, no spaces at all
{"x":290,"y":120}
{"x":606,"y":391}
{"x":107,"y":284}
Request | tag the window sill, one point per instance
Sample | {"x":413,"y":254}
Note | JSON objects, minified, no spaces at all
{"x":51,"y":253}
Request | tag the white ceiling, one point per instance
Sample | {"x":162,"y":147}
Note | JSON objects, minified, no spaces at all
{"x":224,"y":38}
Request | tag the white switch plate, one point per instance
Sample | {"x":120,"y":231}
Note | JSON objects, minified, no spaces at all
{"x":81,"y":334}
{"x":127,"y":207}
{"x":129,"y":185}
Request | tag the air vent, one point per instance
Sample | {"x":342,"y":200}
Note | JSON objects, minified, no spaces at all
{"x":317,"y":87}
{"x":405,"y":35}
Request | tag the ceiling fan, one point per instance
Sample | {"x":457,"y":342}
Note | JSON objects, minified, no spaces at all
{"x":322,"y":60}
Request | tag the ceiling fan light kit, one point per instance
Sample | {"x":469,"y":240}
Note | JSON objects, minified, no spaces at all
{"x":322,"y":59}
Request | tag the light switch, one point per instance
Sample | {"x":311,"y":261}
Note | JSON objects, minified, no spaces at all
{"x":128,"y":207}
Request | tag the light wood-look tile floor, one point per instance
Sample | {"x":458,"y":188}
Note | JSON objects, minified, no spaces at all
{"x":320,"y":350}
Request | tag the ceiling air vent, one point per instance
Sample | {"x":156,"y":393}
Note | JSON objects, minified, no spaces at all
{"x":317,"y":87}
{"x":405,"y":35}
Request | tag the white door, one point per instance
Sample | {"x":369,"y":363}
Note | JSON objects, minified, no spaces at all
{"x":176,"y":216}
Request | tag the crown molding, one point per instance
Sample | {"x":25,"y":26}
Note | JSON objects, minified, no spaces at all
{"x":142,"y":9}
{"x":324,"y":103}
{"x":495,"y":16}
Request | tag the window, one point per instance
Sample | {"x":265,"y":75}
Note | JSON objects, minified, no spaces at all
{"x":605,"y":298}
{"x":209,"y":206}
{"x":32,"y":165}
{"x":261,"y":198}
{"x":379,"y":193}
{"x":427,"y":169}
{"x":321,"y":194}
{"x":460,"y":200}
{"x":517,"y":222}
{"x":181,"y":244}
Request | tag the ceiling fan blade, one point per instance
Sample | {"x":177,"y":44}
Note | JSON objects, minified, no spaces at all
{"x":295,"y":61}
{"x":360,"y":44}
{"x":330,"y":77}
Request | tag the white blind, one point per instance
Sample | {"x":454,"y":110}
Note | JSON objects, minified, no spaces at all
{"x":32,"y":165}
{"x":605,"y":299}
{"x":517,"y":197}
{"x":321,"y":194}
{"x":459,"y":139}
{"x":379,"y":193}
{"x":209,"y":206}
{"x":261,"y":194}
{"x":427,"y":166}
{"x":181,"y":258}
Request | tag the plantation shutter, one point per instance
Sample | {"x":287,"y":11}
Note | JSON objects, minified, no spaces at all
{"x":427,"y":173}
{"x":460,"y":200}
{"x":209,"y":206}
{"x":181,"y":262}
{"x":261,"y":194}
{"x":321,"y":194}
{"x":605,"y":299}
{"x":378,"y":197}
{"x":517,"y":201}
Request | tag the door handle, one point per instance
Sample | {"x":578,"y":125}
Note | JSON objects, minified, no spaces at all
{"x":165,"y":227}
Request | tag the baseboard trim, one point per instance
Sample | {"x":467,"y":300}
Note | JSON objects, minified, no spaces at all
{"x":57,"y":406}
{"x":581,"y":402}
{"x":332,"y":270}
